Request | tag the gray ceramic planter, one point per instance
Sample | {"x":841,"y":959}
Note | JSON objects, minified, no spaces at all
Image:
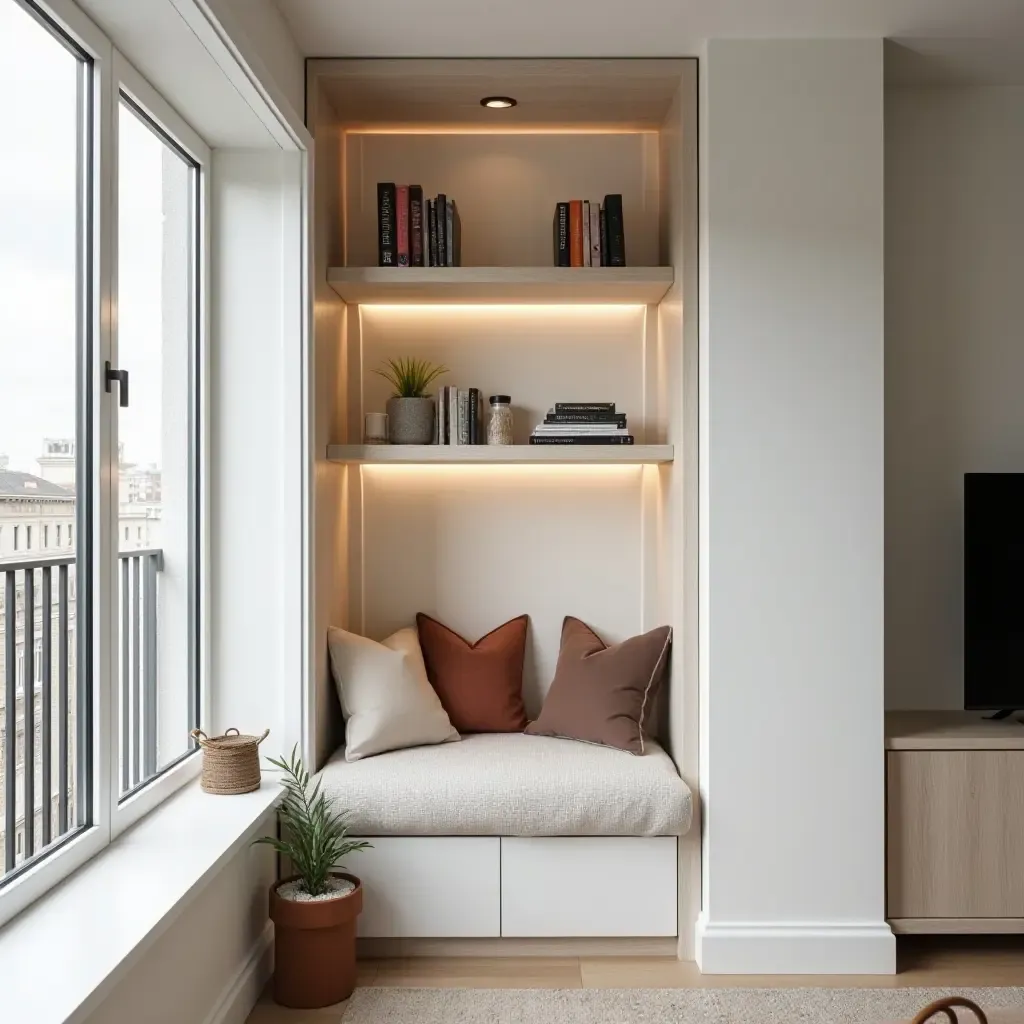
{"x":411,"y":420}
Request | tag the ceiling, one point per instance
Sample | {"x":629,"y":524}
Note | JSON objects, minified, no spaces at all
{"x":941,"y":40}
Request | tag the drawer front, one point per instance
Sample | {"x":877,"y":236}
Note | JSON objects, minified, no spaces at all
{"x":589,"y":886}
{"x":955,"y":833}
{"x":430,"y":887}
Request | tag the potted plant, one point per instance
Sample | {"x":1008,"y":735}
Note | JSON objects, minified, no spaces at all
{"x":410,"y":409}
{"x":314,"y":911}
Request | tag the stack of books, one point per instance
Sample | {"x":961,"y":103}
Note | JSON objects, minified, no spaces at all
{"x":416,"y":232}
{"x":459,"y":416}
{"x":590,"y":234}
{"x":583,"y":423}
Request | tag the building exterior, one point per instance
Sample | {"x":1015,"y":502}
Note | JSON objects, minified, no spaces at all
{"x":37,"y":524}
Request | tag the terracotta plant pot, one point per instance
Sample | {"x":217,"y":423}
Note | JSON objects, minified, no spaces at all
{"x":315,"y":947}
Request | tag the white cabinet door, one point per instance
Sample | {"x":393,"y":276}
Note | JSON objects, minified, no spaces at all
{"x":430,"y":887}
{"x":588,"y":886}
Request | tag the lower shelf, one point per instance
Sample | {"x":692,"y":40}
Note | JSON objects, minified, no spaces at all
{"x":427,"y":454}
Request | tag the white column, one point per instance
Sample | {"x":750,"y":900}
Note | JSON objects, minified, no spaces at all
{"x":791,"y":669}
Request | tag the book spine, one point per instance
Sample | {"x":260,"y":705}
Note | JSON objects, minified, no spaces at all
{"x":605,"y":439}
{"x":402,"y":220}
{"x":449,"y":233}
{"x":576,"y":233}
{"x":595,"y":235}
{"x":474,"y":415}
{"x":563,"y":407}
{"x":442,"y":234}
{"x":586,"y":233}
{"x":455,"y":234}
{"x":439,"y":417}
{"x":453,"y":415}
{"x":415,"y":225}
{"x":561,"y":233}
{"x":616,"y":231}
{"x":604,"y":238}
{"x":386,"y":250}
{"x":426,"y":233}
{"x":433,"y":233}
{"x":463,"y":416}
{"x":568,"y":418}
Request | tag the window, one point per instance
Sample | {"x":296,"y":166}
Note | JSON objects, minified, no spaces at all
{"x":157,"y":285}
{"x":122,"y":647}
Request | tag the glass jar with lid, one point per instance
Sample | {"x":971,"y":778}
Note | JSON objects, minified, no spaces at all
{"x":499,"y":427}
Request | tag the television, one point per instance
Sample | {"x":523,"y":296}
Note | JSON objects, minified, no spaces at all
{"x":994,"y":592}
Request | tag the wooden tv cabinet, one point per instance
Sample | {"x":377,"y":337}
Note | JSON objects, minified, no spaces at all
{"x":955,"y":822}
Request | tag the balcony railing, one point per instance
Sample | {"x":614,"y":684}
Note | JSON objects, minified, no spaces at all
{"x":38,"y":668}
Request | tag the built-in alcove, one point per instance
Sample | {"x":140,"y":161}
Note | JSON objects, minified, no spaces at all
{"x":469,"y":536}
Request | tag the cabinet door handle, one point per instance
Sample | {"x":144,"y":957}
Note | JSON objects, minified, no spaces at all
{"x":121,"y":377}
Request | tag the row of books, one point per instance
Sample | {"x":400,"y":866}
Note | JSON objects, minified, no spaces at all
{"x":590,"y":234}
{"x":459,"y":416}
{"x":582,"y":423}
{"x":414,"y":231}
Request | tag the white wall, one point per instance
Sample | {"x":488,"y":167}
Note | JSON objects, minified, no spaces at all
{"x":792,"y":474}
{"x":271,"y":39}
{"x":954,"y":360}
{"x":211,"y":964}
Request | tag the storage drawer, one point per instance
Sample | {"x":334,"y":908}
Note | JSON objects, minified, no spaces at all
{"x":955,"y":834}
{"x":589,"y":886}
{"x":430,"y":887}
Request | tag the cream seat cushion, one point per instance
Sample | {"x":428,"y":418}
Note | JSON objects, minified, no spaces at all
{"x":386,"y":698}
{"x":511,"y":784}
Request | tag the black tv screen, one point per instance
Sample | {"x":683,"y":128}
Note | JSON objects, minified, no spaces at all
{"x":993,"y":591}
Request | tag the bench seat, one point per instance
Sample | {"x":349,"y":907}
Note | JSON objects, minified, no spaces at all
{"x":511,"y":784}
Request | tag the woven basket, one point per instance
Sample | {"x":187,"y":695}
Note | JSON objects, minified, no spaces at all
{"x":231,"y":763}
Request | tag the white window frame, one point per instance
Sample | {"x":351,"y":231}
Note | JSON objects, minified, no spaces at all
{"x":112,"y":73}
{"x":127,"y":80}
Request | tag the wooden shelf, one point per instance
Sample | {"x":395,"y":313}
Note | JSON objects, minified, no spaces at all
{"x":606,"y":285}
{"x":951,"y":730}
{"x":516,"y":454}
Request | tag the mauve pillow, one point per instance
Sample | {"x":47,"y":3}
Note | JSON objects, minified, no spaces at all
{"x":480,"y":685}
{"x":603,"y":694}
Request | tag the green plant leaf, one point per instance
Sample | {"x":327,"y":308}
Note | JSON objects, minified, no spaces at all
{"x":410,"y":377}
{"x":316,"y":836}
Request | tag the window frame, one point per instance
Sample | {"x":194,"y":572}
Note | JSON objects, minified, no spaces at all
{"x":106,"y":74}
{"x":149,"y":105}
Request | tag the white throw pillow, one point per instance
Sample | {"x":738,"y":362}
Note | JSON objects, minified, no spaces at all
{"x":386,"y":697}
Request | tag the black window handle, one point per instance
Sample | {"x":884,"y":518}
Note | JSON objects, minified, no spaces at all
{"x":121,"y":376}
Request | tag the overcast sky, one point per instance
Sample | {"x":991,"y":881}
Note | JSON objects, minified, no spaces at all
{"x":38,"y":116}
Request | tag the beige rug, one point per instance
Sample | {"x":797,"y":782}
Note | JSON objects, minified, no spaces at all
{"x":665,"y":1006}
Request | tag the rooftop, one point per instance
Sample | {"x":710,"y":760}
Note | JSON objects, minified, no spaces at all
{"x":25,"y":485}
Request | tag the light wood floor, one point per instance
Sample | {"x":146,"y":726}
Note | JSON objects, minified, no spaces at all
{"x":932,"y":961}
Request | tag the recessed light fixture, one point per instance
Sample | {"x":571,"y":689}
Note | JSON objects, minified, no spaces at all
{"x":497,"y":102}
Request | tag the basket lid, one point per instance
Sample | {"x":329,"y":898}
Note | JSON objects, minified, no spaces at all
{"x":231,"y":738}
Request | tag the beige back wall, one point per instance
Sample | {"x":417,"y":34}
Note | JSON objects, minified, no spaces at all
{"x":954,"y":365}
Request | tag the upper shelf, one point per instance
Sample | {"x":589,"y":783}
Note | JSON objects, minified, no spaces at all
{"x":427,"y":454}
{"x":608,"y":285}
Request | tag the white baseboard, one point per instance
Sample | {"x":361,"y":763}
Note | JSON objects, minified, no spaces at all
{"x":783,"y":948}
{"x":242,"y":992}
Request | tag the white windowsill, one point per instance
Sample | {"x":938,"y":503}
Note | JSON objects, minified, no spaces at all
{"x":61,"y":957}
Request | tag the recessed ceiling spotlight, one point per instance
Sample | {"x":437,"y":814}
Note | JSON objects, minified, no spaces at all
{"x":497,"y":102}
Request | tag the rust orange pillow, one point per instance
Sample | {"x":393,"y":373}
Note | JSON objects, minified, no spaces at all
{"x":480,"y":685}
{"x":603,"y":694}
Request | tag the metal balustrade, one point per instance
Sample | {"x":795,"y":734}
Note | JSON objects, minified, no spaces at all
{"x":38,"y":672}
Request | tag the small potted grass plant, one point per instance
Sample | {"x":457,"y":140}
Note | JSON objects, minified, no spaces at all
{"x":314,"y":910}
{"x":410,"y":408}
